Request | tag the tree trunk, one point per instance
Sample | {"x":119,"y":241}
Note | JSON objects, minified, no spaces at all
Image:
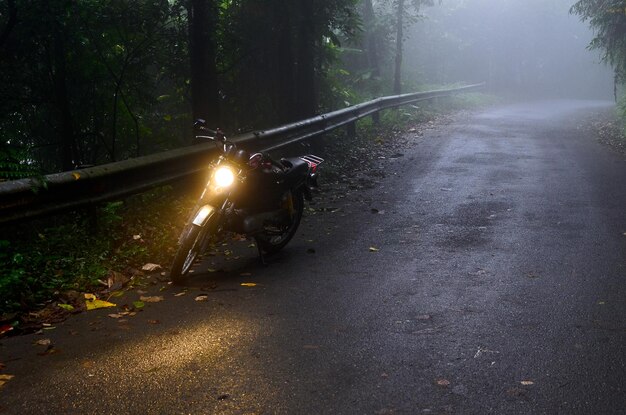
{"x":202,"y":17}
{"x":397,"y":78}
{"x":66,"y":123}
{"x":284,"y":92}
{"x":372,"y":42}
{"x":306,"y":100}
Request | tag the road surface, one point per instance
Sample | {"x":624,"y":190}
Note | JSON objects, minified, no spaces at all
{"x":483,"y":273}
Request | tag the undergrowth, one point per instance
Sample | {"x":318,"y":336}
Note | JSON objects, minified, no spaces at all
{"x":77,"y":251}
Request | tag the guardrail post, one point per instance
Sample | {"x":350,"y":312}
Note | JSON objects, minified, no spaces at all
{"x":351,"y":127}
{"x":376,"y":117}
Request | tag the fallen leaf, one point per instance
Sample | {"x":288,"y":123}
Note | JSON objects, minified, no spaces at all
{"x":211,"y":270}
{"x":135,"y":237}
{"x":138,"y":304}
{"x":49,"y":350}
{"x":443,"y":382}
{"x":374,"y":249}
{"x":116,"y":280}
{"x":116,"y":315}
{"x":248,"y":284}
{"x":88,"y":364}
{"x":43,"y":342}
{"x":527,"y":382}
{"x":151,"y":299}
{"x":76,"y":176}
{"x":93,"y":303}
{"x":151,"y":267}
{"x":67,"y":307}
{"x":202,"y":298}
{"x":4,"y":379}
{"x":181,"y":293}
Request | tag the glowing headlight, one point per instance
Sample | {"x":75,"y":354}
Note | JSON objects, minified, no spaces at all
{"x":224,"y":177}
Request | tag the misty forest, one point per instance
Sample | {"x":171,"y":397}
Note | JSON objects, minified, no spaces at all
{"x":312,"y":206}
{"x":90,"y":82}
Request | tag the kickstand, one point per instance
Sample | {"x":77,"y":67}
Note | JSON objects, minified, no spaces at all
{"x":261,"y":255}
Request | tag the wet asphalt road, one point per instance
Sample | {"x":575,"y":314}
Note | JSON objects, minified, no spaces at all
{"x":498,"y":287}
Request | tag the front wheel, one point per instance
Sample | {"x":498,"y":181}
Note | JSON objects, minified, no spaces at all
{"x":190,"y":246}
{"x":186,"y":254}
{"x":274,"y":238}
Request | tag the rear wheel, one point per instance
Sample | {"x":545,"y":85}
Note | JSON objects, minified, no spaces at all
{"x":275,"y":237}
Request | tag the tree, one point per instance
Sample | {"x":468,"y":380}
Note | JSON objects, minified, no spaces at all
{"x":275,"y":55}
{"x":85,"y":78}
{"x":202,"y":18}
{"x":608,"y":19}
{"x":404,"y":16}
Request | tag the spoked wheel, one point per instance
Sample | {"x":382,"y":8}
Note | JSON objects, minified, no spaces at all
{"x":192,"y":242}
{"x":275,"y":237}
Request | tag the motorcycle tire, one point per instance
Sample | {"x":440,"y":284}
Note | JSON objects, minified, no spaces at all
{"x":190,"y":246}
{"x":271,"y":244}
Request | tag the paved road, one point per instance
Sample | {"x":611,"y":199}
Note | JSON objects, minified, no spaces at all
{"x":498,"y":287}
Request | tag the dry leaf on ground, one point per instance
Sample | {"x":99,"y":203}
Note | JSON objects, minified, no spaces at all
{"x":151,"y":299}
{"x":4,"y":379}
{"x":151,"y":267}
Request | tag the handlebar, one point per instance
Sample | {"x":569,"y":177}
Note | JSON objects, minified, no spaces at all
{"x":218,"y":134}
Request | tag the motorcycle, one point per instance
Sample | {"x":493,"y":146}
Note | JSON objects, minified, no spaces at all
{"x":248,"y":194}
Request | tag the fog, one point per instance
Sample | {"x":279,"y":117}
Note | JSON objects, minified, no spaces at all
{"x":529,"y":47}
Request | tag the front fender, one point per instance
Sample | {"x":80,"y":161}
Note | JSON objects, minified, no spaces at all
{"x":202,"y":216}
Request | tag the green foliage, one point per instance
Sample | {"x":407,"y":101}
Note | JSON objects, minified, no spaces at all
{"x":608,"y":19}
{"x":75,"y":251}
{"x":14,"y":164}
{"x":84,"y":78}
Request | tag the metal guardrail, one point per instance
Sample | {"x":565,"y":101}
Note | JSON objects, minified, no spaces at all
{"x":25,"y":198}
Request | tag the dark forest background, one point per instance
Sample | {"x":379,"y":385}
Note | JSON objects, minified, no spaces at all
{"x":86,"y":82}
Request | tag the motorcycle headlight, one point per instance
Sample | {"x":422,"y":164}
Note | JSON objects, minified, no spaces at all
{"x":224,"y":177}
